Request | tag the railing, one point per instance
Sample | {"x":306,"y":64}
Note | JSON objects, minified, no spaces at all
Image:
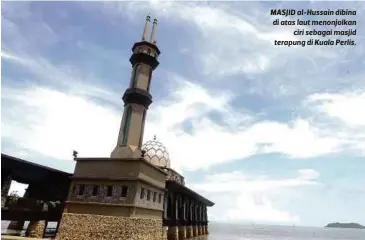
{"x":29,"y":204}
{"x":23,"y":204}
{"x":174,"y":176}
{"x":48,"y":232}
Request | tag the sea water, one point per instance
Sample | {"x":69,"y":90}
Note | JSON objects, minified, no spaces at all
{"x":262,"y":232}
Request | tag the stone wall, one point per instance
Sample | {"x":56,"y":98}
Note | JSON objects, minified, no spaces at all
{"x":98,"y":227}
{"x":36,"y":229}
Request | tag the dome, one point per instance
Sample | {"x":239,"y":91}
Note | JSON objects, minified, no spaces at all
{"x":156,"y":153}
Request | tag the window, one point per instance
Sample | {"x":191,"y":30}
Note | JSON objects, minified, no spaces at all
{"x":95,"y":190}
{"x":142,"y":193}
{"x":148,"y":195}
{"x":154,"y":196}
{"x":149,"y":51}
{"x":159,"y":198}
{"x":126,"y":125}
{"x":124,"y":192}
{"x":81,"y":189}
{"x":109,"y":191}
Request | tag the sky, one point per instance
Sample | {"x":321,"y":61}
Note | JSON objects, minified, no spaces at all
{"x":271,"y":134}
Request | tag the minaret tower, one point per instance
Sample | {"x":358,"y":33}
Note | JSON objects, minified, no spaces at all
{"x":137,"y":97}
{"x":121,"y":196}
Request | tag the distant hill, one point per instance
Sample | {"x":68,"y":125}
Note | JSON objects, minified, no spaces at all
{"x":345,"y":225}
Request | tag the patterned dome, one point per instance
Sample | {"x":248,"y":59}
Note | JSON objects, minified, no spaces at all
{"x":156,"y":153}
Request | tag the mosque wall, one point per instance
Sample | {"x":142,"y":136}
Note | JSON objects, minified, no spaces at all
{"x":96,"y":227}
{"x":149,"y":196}
{"x":147,"y":213}
{"x":112,"y":210}
{"x":117,"y":192}
{"x":114,"y":168}
{"x":154,"y":173}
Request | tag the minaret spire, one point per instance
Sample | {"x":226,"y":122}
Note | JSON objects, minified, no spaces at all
{"x":153,"y":33}
{"x":145,"y":31}
{"x":137,"y":97}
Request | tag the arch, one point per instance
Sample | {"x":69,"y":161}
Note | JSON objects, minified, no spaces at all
{"x":127,"y":122}
{"x":181,"y":208}
{"x":169,"y":207}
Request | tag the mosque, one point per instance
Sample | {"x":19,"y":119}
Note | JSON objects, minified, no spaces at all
{"x":133,"y":194}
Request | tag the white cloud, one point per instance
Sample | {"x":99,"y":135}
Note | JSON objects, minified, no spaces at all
{"x":56,"y":123}
{"x":345,"y":107}
{"x":68,"y":121}
{"x":231,"y":42}
{"x":342,"y":115}
{"x":240,"y":134}
{"x":242,"y":197}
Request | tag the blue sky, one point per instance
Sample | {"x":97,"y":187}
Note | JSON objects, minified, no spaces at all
{"x":271,"y":134}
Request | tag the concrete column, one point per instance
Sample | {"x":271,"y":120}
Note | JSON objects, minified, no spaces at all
{"x":199,"y":220}
{"x":200,"y":213}
{"x":165,"y":207}
{"x":175,"y":209}
{"x":59,"y":223}
{"x":206,"y":214}
{"x":182,"y":209}
{"x":195,"y":212}
{"x":203,"y":230}
{"x":191,"y":216}
{"x":200,"y":230}
{"x":16,"y":225}
{"x":186,"y":209}
{"x":195,"y":231}
{"x":36,"y":229}
{"x":172,"y":233}
{"x":206,"y":220}
{"x":182,"y":232}
{"x":189,"y":232}
{"x":164,"y":233}
{"x":5,"y":186}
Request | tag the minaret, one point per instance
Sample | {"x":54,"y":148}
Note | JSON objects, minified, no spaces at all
{"x":120,"y":197}
{"x":137,"y":97}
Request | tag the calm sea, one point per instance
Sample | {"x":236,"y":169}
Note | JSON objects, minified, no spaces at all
{"x":223,"y":231}
{"x":262,"y":232}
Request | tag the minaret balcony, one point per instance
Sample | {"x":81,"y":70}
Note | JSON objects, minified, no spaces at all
{"x":138,"y":96}
{"x":142,"y":57}
{"x":148,"y":44}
